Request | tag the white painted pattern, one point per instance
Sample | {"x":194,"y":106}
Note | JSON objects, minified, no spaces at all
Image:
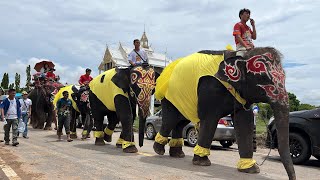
{"x":8,"y":171}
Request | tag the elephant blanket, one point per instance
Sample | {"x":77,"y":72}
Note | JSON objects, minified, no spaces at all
{"x":179,"y":81}
{"x":105,"y":89}
{"x":59,"y":96}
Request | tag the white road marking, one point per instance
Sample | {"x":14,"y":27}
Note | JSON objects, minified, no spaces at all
{"x":8,"y":171}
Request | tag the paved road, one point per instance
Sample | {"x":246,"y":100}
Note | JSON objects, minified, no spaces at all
{"x":43,"y":157}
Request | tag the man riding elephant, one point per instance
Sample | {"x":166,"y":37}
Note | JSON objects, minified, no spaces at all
{"x":115,"y":94}
{"x":208,"y":85}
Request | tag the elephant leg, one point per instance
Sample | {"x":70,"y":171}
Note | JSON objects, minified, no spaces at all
{"x":112,"y":122}
{"x":49,"y":119}
{"x":177,"y":140}
{"x":244,"y":125}
{"x":214,"y":102}
{"x":98,"y":112}
{"x":124,"y":114}
{"x":86,"y":126}
{"x":170,"y":119}
{"x":73,"y":128}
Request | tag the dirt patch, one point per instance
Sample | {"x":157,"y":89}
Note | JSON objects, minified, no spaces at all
{"x":13,"y":161}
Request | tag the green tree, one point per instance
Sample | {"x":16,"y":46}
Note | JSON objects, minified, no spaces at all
{"x":293,"y":102}
{"x":306,"y":107}
{"x":11,"y":86}
{"x":17,"y":82}
{"x":5,"y":81}
{"x":265,"y":111}
{"x":28,"y":72}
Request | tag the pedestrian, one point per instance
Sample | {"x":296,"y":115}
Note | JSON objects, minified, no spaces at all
{"x":137,"y":55}
{"x":86,"y":78}
{"x":64,"y":108}
{"x":26,"y":104}
{"x":242,"y":33}
{"x":11,"y":114}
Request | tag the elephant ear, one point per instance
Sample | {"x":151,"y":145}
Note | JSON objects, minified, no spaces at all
{"x":121,"y":78}
{"x":230,"y":70}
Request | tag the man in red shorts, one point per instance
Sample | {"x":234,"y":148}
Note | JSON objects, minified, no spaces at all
{"x":243,"y":34}
{"x":86,"y":78}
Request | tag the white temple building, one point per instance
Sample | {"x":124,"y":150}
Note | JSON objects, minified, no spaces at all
{"x":119,"y":56}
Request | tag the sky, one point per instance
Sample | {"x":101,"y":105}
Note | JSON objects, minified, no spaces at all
{"x":74,"y":33}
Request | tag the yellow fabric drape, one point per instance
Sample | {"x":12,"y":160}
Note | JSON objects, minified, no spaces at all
{"x":108,"y":131}
{"x":179,"y":82}
{"x":245,"y":163}
{"x":107,"y":90}
{"x":120,"y":141}
{"x":59,"y":96}
{"x":126,"y":144}
{"x":98,"y":134}
{"x":176,"y":142}
{"x":160,"y":139}
{"x":84,"y":132}
{"x":201,"y":151}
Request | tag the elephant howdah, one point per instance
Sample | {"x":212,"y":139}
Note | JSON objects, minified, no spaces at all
{"x":115,"y":94}
{"x":206,"y":86}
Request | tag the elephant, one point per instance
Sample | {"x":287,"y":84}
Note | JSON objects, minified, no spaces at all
{"x":42,"y":108}
{"x":115,"y":94}
{"x":80,"y":105}
{"x":208,"y":85}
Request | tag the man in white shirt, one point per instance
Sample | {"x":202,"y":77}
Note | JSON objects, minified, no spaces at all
{"x":137,"y":55}
{"x":26,"y":104}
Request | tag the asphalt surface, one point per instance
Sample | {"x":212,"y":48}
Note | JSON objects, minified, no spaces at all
{"x":43,"y":157}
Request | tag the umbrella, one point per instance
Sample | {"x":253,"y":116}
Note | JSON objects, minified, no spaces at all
{"x":41,"y":64}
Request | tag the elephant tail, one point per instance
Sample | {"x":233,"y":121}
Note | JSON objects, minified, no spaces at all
{"x":163,"y":80}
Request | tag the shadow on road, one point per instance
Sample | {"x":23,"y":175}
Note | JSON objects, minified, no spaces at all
{"x":106,"y":149}
{"x":312,"y":163}
{"x":213,"y":171}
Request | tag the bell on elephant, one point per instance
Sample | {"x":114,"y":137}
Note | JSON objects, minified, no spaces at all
{"x":116,"y":93}
{"x":208,"y":85}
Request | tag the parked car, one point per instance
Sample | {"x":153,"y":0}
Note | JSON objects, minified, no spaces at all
{"x":304,"y":135}
{"x":224,"y":134}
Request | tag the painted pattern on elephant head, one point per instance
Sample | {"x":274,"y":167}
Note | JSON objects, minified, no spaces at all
{"x":143,"y":81}
{"x":262,"y":64}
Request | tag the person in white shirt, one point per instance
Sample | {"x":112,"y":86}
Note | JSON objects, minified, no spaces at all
{"x":26,"y":104}
{"x":137,"y":55}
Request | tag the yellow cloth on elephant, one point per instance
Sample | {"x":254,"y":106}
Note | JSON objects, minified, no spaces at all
{"x":201,"y":151}
{"x":245,"y":163}
{"x":120,"y":141}
{"x":98,"y":134}
{"x":126,"y":144}
{"x":160,"y":139}
{"x":59,"y":96}
{"x":176,"y":142}
{"x":108,"y":131}
{"x":179,"y":82}
{"x":107,"y":90}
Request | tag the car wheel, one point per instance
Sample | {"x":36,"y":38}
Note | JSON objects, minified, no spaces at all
{"x":150,"y":132}
{"x":226,"y":144}
{"x":299,"y":148}
{"x":192,"y":137}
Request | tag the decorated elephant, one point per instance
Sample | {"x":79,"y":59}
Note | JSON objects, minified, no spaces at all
{"x":42,"y":108}
{"x":208,"y":85}
{"x":79,"y":97}
{"x":115,"y":94}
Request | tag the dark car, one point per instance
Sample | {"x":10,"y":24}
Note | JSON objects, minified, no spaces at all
{"x":304,"y":135}
{"x":224,"y":134}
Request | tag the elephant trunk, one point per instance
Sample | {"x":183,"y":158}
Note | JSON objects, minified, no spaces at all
{"x":281,"y":114}
{"x":142,"y":122}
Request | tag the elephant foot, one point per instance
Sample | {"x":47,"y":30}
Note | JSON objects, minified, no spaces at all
{"x":253,"y":170}
{"x":130,"y":149}
{"x":107,"y":138}
{"x":99,"y":142}
{"x":84,"y":136}
{"x":47,"y":128}
{"x":119,"y":145}
{"x":176,"y":152}
{"x":73,"y":136}
{"x":158,"y":148}
{"x":201,"y":161}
